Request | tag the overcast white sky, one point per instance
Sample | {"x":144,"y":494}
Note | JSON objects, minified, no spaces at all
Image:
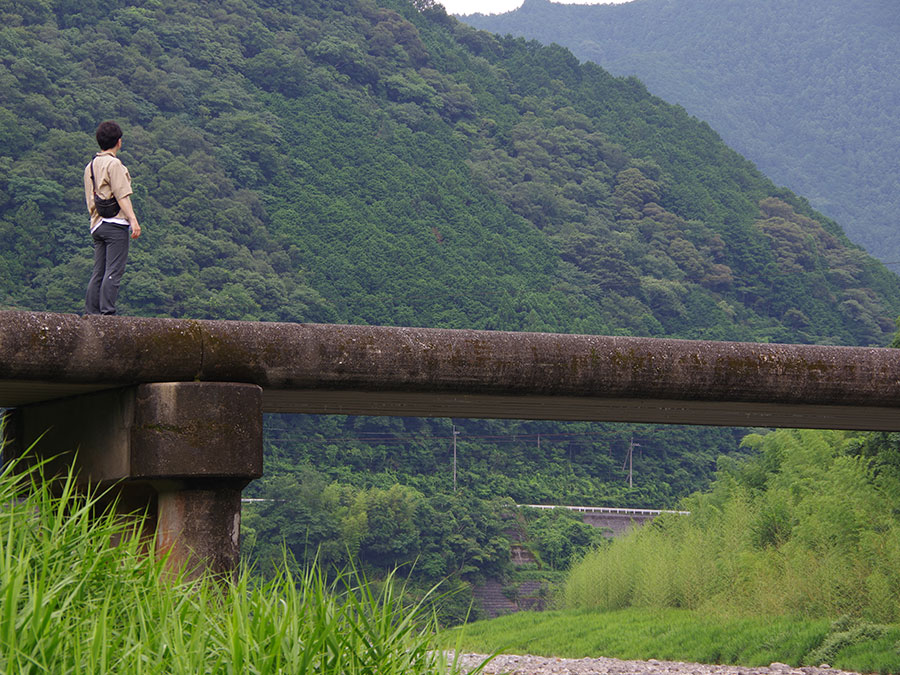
{"x":500,"y":6}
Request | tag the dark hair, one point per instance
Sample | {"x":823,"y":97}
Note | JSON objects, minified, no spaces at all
{"x":108,"y":134}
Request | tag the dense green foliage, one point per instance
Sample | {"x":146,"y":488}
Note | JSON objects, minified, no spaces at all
{"x":71,"y":603}
{"x":807,"y":527}
{"x":530,"y":462}
{"x":446,"y":540}
{"x":349,"y":162}
{"x":370,"y":162}
{"x":332,"y":489}
{"x":453,"y":540}
{"x":683,"y":635}
{"x":808,"y":91}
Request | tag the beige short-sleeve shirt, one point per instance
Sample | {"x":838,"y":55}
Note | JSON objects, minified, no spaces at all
{"x":112,"y":179}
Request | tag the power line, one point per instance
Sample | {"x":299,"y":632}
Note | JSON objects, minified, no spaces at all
{"x":414,"y":438}
{"x":391,"y":434}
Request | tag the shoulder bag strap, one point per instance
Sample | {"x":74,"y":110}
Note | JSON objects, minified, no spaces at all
{"x":93,"y":180}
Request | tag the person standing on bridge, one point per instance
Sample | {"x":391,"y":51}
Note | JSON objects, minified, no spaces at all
{"x":107,"y":190}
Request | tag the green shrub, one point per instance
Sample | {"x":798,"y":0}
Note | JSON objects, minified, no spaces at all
{"x":844,"y":632}
{"x":802,"y":529}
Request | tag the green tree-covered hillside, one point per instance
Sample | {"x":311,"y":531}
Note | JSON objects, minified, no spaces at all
{"x":373,"y":163}
{"x":807,"y":90}
{"x":383,"y":163}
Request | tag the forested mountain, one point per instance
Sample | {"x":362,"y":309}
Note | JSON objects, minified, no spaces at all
{"x":370,"y":162}
{"x":361,"y":163}
{"x":809,"y":91}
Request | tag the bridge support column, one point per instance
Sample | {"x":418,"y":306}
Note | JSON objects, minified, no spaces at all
{"x":200,"y":523}
{"x":182,"y":451}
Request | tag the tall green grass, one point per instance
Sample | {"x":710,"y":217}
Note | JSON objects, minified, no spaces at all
{"x":684,"y":635}
{"x":70,"y":602}
{"x":806,"y":529}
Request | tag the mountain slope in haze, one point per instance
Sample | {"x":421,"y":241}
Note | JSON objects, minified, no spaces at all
{"x":810,"y":92}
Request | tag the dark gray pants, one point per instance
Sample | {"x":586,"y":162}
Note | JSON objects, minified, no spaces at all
{"x":110,"y":254}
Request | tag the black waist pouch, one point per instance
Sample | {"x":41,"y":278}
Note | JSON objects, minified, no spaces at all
{"x":107,"y":208}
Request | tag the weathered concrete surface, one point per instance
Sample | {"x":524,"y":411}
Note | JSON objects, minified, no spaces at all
{"x":183,"y":451}
{"x":201,"y":524}
{"x":617,"y":521}
{"x":615,"y":524}
{"x":96,"y":426}
{"x":431,"y":372}
{"x":197,"y":429}
{"x":152,"y":431}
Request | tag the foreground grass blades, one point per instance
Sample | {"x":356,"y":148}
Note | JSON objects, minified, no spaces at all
{"x":72,"y":603}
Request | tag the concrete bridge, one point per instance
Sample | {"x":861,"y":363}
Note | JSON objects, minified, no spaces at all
{"x":617,"y":521}
{"x":171,"y":410}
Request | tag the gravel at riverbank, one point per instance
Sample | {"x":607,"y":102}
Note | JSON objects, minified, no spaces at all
{"x":540,"y":665}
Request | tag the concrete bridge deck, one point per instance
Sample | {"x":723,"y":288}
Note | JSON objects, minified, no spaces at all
{"x":607,"y":510}
{"x":615,"y":521}
{"x":373,"y":370}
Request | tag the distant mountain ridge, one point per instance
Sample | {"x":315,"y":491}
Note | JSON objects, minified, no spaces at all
{"x":810,"y":92}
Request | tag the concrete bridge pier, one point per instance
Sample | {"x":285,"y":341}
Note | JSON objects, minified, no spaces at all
{"x":183,"y":451}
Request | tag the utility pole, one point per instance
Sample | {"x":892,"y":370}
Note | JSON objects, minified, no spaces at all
{"x":629,"y":459}
{"x":630,"y":462}
{"x":455,"y":432}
